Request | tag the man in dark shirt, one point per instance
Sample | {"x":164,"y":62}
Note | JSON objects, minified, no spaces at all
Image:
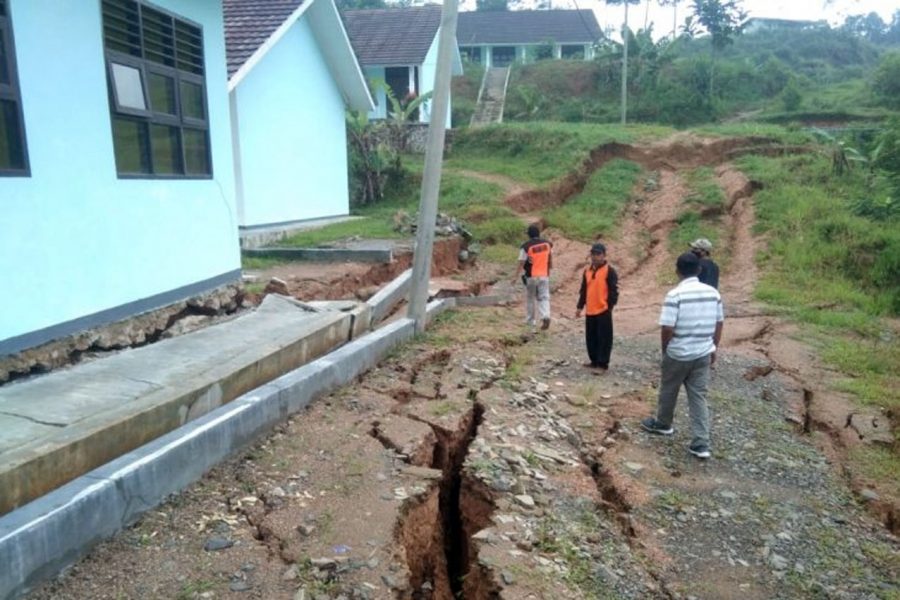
{"x":709,"y":270}
{"x":598,"y":296}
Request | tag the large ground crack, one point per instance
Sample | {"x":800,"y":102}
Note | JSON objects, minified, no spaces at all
{"x":436,"y":530}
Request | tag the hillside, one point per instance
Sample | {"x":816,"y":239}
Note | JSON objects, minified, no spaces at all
{"x":807,"y":75}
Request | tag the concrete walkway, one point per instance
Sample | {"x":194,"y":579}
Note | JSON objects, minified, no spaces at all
{"x":59,"y":426}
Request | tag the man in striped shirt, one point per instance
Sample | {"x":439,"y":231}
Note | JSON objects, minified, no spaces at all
{"x":691,"y":327}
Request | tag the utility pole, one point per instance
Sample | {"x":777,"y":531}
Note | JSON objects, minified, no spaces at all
{"x":431,"y":177}
{"x":625,"y":66}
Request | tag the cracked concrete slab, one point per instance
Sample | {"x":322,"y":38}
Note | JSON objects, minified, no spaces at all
{"x":110,"y":406}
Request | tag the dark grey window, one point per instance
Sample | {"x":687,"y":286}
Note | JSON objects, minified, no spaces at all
{"x":471,"y":54}
{"x":571,"y":51}
{"x":157,"y":92}
{"x":503,"y":56}
{"x":13,"y":151}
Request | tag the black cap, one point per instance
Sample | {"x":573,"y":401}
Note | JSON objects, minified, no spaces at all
{"x":533,"y":231}
{"x":598,"y":248}
{"x":688,"y":264}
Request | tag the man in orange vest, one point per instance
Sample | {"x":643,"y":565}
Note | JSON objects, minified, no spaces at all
{"x":598,"y":296}
{"x":535,"y":260}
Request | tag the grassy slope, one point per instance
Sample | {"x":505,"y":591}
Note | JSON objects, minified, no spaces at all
{"x":818,"y":269}
{"x":538,"y":153}
{"x":596,"y":210}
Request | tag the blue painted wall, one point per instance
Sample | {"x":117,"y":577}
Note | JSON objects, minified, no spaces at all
{"x":381,"y":102}
{"x":293,"y":143}
{"x":75,"y":239}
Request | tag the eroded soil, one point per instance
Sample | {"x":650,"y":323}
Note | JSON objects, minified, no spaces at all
{"x":482,"y":461}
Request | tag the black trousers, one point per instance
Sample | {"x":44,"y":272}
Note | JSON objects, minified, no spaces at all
{"x":598,"y":335}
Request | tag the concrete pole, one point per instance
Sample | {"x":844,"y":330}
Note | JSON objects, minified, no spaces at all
{"x":625,"y":66}
{"x":431,"y":177}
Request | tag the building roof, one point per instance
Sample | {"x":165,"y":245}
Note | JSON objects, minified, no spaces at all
{"x":393,"y":36}
{"x":527,"y":27}
{"x":249,"y":24}
{"x":253,"y":27}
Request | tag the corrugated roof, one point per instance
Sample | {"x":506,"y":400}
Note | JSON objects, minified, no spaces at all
{"x":393,"y":36}
{"x":249,"y":23}
{"x":527,"y":27}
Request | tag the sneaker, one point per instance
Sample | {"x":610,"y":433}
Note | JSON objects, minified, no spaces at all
{"x":700,"y":451}
{"x":545,"y":324}
{"x":653,"y":426}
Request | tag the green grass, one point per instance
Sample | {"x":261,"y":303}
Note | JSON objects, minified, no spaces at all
{"x":254,"y":263}
{"x":704,"y":202}
{"x":596,"y":210}
{"x":476,"y":203}
{"x":540,"y":152}
{"x":831,"y":270}
{"x":879,"y":464}
{"x":705,"y":192}
{"x":755,"y":129}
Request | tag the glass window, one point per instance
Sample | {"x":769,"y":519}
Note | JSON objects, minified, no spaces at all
{"x":160,"y":125}
{"x":166,"y":149}
{"x":192,"y":100}
{"x":162,"y":94}
{"x":129,"y":87}
{"x":13,"y":150}
{"x":12,"y":153}
{"x":4,"y":63}
{"x":130,"y":141}
{"x":196,"y":151}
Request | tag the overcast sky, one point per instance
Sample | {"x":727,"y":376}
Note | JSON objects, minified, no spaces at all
{"x":834,"y":11}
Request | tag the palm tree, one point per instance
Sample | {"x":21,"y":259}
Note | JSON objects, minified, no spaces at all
{"x":674,"y":5}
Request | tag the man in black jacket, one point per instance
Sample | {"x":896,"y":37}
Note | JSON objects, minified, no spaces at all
{"x":598,"y":296}
{"x":709,"y":270}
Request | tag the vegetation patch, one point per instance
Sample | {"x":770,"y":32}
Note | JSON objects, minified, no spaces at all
{"x":596,"y":211}
{"x":705,"y":202}
{"x":539,"y":153}
{"x":832,"y":268}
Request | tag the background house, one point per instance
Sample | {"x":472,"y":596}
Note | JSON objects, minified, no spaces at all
{"x":398,"y":46}
{"x":292,"y":73}
{"x":116,"y":179}
{"x":499,"y":38}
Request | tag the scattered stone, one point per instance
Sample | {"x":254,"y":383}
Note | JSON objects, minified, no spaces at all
{"x":277,"y":286}
{"x":634,"y":467}
{"x":869,"y":495}
{"x":305,"y":529}
{"x":525,"y":500}
{"x":324,"y":564}
{"x":778,"y":562}
{"x":214,"y":544}
{"x":507,"y":577}
{"x":239,"y":586}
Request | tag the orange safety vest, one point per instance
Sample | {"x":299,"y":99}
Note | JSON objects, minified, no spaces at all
{"x":539,"y":258}
{"x":597,"y":292}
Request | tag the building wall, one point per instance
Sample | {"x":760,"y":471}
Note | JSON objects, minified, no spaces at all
{"x":292,"y":130}
{"x":381,"y":102}
{"x":429,"y":73}
{"x":75,"y":240}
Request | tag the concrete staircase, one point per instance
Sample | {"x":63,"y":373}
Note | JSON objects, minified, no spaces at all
{"x":491,"y":97}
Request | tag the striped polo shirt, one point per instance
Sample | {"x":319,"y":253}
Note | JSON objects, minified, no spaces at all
{"x":692,"y":309}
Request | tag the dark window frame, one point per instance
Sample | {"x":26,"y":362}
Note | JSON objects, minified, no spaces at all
{"x":12,"y":91}
{"x":152,"y":117}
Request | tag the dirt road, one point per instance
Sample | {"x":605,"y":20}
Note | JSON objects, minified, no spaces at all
{"x":482,"y":461}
